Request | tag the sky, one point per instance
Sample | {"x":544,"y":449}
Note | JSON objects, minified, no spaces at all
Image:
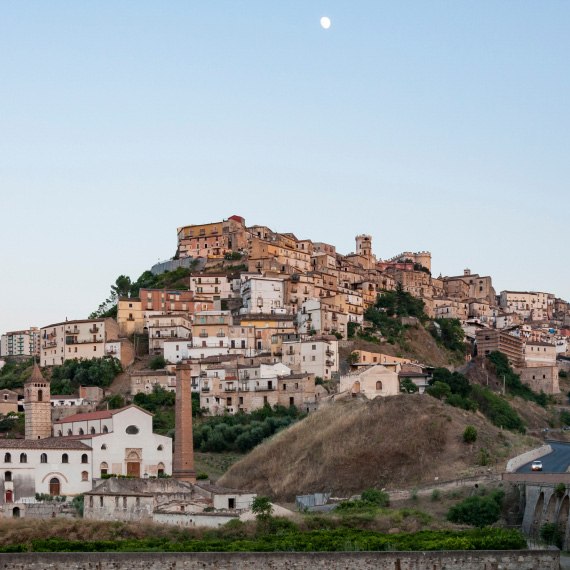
{"x":440,"y":126}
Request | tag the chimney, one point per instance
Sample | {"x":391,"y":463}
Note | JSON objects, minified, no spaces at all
{"x":183,"y":468}
{"x":466,"y":272}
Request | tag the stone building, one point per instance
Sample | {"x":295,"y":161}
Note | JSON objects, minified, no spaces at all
{"x":374,"y":381}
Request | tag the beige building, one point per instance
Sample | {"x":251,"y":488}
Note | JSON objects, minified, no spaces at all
{"x":167,"y":327}
{"x":130,"y":316}
{"x":316,"y":355}
{"x":374,"y":381}
{"x":530,"y":305}
{"x":83,"y":339}
{"x":8,"y":402}
{"x":539,"y":354}
{"x":365,"y":357}
{"x":144,"y":381}
{"x":541,"y":379}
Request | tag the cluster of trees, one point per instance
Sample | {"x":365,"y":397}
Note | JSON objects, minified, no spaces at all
{"x":67,"y":378}
{"x":449,"y":333}
{"x":125,"y":287}
{"x":456,"y":390}
{"x":242,"y":432}
{"x":15,"y":373}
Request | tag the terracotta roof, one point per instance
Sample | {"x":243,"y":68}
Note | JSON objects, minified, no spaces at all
{"x":46,"y":443}
{"x":101,"y":415}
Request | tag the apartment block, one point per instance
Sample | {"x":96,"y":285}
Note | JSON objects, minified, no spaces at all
{"x":24,"y":343}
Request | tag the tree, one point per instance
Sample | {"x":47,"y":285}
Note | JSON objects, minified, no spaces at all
{"x":407,"y":386}
{"x":157,"y":363}
{"x":262,"y":509}
{"x":439,"y":390}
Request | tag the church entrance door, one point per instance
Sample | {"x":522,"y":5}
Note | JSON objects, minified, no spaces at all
{"x":133,"y":469}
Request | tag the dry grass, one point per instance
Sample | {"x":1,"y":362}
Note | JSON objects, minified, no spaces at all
{"x":395,"y":442}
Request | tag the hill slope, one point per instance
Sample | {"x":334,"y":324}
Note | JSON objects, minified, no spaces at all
{"x":394,"y":442}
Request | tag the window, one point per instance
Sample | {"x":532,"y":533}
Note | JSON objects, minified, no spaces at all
{"x":81,"y":432}
{"x":105,"y":429}
{"x":100,"y":501}
{"x":7,"y":458}
{"x":91,"y":501}
{"x":132,"y":430}
{"x":8,"y":476}
{"x":92,"y":431}
{"x":378,"y":385}
{"x":69,"y":432}
{"x":84,"y":476}
{"x":231,"y":503}
{"x":65,"y":458}
{"x":104,"y":446}
{"x":84,"y":458}
{"x":124,"y":502}
{"x":159,"y":448}
{"x":104,"y":468}
{"x":23,"y":458}
{"x":40,"y":395}
{"x":43,"y":458}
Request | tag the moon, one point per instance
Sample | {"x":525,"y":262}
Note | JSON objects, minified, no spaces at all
{"x":325,"y":22}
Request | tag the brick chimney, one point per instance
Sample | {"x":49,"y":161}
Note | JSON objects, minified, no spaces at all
{"x":183,"y":467}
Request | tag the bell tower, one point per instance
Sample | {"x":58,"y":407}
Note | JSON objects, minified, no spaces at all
{"x":183,"y":465}
{"x":37,"y":406}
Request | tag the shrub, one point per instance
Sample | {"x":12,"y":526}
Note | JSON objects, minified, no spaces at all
{"x":478,"y":510}
{"x":470,"y":434}
{"x":375,"y":497}
{"x":436,"y":495}
{"x":560,"y":489}
{"x":157,"y":363}
{"x":550,"y":533}
{"x":201,"y":476}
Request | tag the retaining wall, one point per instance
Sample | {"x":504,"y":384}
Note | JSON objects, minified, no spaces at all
{"x":464,"y":560}
{"x":518,"y":461}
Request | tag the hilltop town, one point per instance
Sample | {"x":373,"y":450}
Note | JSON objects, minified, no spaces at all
{"x":248,"y":318}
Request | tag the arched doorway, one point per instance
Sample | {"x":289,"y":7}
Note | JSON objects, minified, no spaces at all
{"x":16,"y":512}
{"x":9,"y":496}
{"x":54,"y":487}
{"x":133,"y":464}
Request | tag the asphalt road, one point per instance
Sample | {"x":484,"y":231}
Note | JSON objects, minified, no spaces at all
{"x":556,"y":462}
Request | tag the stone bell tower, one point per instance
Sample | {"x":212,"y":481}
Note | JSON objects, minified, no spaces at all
{"x":37,"y":406}
{"x":183,"y":465}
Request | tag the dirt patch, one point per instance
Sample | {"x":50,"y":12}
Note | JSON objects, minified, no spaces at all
{"x":391,"y":443}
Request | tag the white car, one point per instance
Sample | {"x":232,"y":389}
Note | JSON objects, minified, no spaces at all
{"x":536,"y":465}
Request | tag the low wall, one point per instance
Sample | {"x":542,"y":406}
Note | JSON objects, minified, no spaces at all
{"x":458,"y":560}
{"x":518,"y":461}
{"x":537,"y":478}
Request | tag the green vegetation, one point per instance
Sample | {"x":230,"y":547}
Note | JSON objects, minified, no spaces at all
{"x":284,"y":536}
{"x":67,"y":378}
{"x":470,"y":434}
{"x":78,"y":503}
{"x":242,"y":432}
{"x":125,"y":287}
{"x":512,"y":380}
{"x":159,"y":402}
{"x":15,"y":373}
{"x":550,"y":533}
{"x":157,"y":363}
{"x":12,"y":424}
{"x":450,"y":334}
{"x":479,"y":510}
{"x":456,"y":390}
{"x":563,"y":374}
{"x":386,"y":314}
{"x":370,"y":501}
{"x":565,"y":417}
{"x":407,"y":386}
{"x":116,"y":401}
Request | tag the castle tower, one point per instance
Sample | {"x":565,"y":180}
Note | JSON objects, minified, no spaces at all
{"x":183,"y":465}
{"x":364,"y":249}
{"x":37,"y":406}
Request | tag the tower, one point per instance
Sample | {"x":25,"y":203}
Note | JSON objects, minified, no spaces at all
{"x":364,"y":249}
{"x":37,"y":406}
{"x":183,"y":467}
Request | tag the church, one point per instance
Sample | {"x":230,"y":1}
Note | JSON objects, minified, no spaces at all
{"x":63,"y":459}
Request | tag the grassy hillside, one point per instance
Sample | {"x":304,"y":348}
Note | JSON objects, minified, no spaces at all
{"x":395,"y":442}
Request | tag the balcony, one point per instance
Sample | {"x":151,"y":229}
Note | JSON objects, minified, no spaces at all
{"x":205,"y":389}
{"x":329,"y":352}
{"x":111,"y":351}
{"x":72,"y":331}
{"x":203,"y":335}
{"x":94,"y":329}
{"x":329,"y":362}
{"x":221,"y":335}
{"x":49,"y":343}
{"x":231,"y":389}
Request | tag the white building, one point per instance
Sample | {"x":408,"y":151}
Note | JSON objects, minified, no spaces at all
{"x":372,"y":382}
{"x":167,"y":327}
{"x":316,"y":355}
{"x":262,"y":295}
{"x":20,"y":343}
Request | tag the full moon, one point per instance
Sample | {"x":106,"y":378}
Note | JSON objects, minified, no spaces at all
{"x":325,"y":23}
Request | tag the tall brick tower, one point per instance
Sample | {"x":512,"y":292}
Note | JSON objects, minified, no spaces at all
{"x":183,"y":466}
{"x":37,"y":406}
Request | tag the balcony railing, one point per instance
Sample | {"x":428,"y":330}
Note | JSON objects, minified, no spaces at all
{"x":205,"y":389}
{"x":221,"y":335}
{"x":329,"y":352}
{"x":329,"y":362}
{"x":203,"y":335}
{"x":49,"y":343}
{"x":94,"y":329}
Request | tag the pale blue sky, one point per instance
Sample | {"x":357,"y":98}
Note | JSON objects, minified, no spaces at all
{"x":439,"y":125}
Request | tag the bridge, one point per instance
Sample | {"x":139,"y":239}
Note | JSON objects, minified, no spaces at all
{"x":544,"y":496}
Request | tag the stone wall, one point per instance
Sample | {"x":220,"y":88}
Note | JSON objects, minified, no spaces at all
{"x":464,"y":560}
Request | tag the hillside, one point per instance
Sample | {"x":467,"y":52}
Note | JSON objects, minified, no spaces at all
{"x":395,"y":442}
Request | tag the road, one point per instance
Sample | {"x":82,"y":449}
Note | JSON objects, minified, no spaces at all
{"x":556,"y":462}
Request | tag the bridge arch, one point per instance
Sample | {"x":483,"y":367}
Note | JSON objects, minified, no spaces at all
{"x":550,"y":514}
{"x":562,"y":519}
{"x":537,"y":516}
